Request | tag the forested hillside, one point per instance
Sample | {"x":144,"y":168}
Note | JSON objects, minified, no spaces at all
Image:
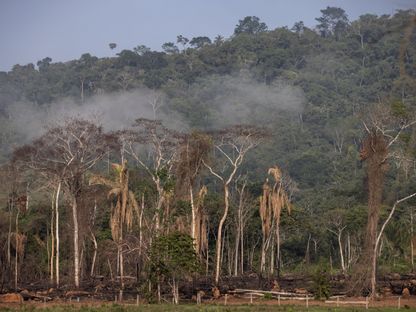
{"x":258,"y":147}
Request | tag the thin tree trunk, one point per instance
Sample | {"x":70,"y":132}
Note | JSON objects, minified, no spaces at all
{"x":48,"y":251}
{"x":158,"y":291}
{"x":222,"y":248}
{"x":57,"y":233}
{"x":229,"y":257}
{"x":111,"y":270}
{"x":219,"y":234}
{"x":278,"y":246}
{"x":76,"y":241}
{"x":242,"y":250}
{"x":349,"y":254}
{"x":16,"y":260}
{"x":94,"y":256}
{"x":52,"y":252}
{"x":193,"y":221}
{"x":263,"y":256}
{"x":237,"y":242}
{"x":412,"y":256}
{"x":207,"y":258}
{"x":82,"y":260}
{"x":140,"y":238}
{"x":94,"y":241}
{"x":341,"y":254}
{"x":377,"y":242}
{"x":120,"y":246}
{"x":9,"y":234}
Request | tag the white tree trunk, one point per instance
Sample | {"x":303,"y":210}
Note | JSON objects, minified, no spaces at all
{"x":341,"y":254}
{"x":76,"y":241}
{"x":374,"y":262}
{"x":219,"y":235}
{"x":58,"y":190}
{"x":193,"y":221}
{"x":52,"y":252}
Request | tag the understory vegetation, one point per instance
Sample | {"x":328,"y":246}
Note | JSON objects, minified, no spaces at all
{"x":290,"y":150}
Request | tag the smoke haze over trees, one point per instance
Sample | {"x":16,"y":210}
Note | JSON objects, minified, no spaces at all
{"x":181,"y":142}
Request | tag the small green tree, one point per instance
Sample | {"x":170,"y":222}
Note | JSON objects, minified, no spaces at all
{"x":172,"y":258}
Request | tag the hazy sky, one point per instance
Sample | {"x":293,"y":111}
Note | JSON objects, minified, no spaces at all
{"x":64,"y":29}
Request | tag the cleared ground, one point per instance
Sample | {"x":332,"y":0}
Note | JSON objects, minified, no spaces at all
{"x":233,"y":304}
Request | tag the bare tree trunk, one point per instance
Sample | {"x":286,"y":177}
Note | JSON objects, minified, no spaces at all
{"x":9,"y":234}
{"x":278,"y":246}
{"x":341,"y":254}
{"x":219,"y":234}
{"x":140,"y":237}
{"x":158,"y":207}
{"x":222,"y":248}
{"x":263,"y":256}
{"x":76,"y":241}
{"x":377,"y":148}
{"x":242,"y":249}
{"x":158,"y":291}
{"x":16,"y":260}
{"x":120,"y":246}
{"x":377,"y":242}
{"x":193,"y":222}
{"x":94,"y":241}
{"x":412,"y":256}
{"x":111,"y":270}
{"x":52,"y":253}
{"x":48,"y":251}
{"x":58,"y":190}
{"x":94,"y":256}
{"x":237,"y":242}
{"x":229,"y":257}
{"x":207,"y":258}
{"x":82,"y":260}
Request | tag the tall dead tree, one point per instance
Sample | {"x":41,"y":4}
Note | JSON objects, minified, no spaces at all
{"x":231,"y":146}
{"x":383,"y":127}
{"x":241,"y":217}
{"x":189,"y":165}
{"x":66,"y":152}
{"x":161,"y":145}
{"x":337,"y":227}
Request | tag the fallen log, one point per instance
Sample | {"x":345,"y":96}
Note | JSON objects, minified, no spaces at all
{"x":32,"y":296}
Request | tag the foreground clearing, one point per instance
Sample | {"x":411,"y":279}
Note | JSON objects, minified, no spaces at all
{"x":389,"y":304}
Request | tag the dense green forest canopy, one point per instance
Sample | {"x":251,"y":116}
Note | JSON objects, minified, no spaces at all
{"x":309,"y":87}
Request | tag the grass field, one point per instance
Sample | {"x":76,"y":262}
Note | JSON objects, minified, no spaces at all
{"x":191,"y":307}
